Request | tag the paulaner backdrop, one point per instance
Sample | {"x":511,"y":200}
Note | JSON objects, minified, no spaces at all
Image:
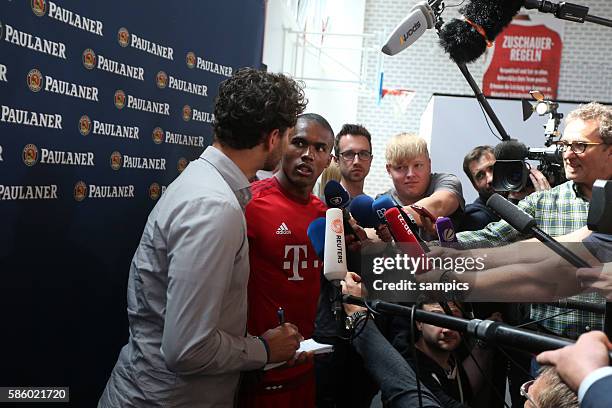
{"x":102,"y":105}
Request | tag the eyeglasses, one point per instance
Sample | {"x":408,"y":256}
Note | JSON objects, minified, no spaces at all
{"x":349,"y":155}
{"x":576,"y":147}
{"x":525,"y":392}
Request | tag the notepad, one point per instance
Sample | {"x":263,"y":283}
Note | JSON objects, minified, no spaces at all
{"x":306,"y":346}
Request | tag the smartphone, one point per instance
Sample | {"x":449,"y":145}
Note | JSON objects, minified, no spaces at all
{"x":423,"y":211}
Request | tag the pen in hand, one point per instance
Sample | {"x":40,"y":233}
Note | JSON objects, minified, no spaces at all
{"x":281,"y":316}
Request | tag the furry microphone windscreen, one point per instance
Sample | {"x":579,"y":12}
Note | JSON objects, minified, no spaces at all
{"x":462,"y":40}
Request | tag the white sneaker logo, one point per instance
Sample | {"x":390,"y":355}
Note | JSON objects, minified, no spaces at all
{"x":283,"y":230}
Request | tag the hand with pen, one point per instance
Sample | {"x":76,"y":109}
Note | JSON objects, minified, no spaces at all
{"x":283,"y":342}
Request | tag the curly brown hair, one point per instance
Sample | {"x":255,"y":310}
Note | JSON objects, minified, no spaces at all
{"x":253,"y":103}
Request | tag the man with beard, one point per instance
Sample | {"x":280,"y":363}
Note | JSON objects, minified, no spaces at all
{"x":187,"y":287}
{"x":478,"y":166}
{"x":353,"y":149}
{"x":285,"y":270}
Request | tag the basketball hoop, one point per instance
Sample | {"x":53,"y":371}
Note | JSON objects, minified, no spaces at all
{"x":400,"y":98}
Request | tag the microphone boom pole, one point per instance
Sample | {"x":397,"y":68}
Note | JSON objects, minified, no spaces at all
{"x":486,"y":330}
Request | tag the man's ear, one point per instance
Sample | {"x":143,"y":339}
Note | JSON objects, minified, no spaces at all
{"x":388,"y":167}
{"x":272,"y":139}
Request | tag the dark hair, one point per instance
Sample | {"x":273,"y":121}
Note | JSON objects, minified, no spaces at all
{"x":350,"y":129}
{"x":475,"y":154}
{"x":315,"y":117}
{"x":253,"y":103}
{"x":431,"y":297}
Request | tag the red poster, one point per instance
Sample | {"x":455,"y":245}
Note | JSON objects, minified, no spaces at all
{"x":526,"y":57}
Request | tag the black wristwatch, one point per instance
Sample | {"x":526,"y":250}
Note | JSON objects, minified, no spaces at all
{"x":353,"y":319}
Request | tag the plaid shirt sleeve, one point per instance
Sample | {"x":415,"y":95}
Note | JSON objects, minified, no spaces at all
{"x":496,"y":233}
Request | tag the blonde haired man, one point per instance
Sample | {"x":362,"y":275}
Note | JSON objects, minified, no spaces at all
{"x":409,"y":166}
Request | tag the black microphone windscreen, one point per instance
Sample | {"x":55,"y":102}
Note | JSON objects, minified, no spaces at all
{"x":520,"y":220}
{"x":463,"y":42}
{"x":510,"y":150}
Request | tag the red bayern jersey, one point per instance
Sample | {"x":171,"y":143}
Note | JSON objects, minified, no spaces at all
{"x":285,"y":270}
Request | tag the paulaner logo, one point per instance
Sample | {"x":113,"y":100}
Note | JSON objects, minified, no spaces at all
{"x":182,"y":164}
{"x":30,"y":155}
{"x":119,"y":99}
{"x":190,"y":59}
{"x":161,"y":79}
{"x":123,"y":37}
{"x":39,"y":7}
{"x":154,"y":191}
{"x":116,"y":160}
{"x":80,"y":191}
{"x":187,"y":113}
{"x":34,"y":80}
{"x":84,"y":125}
{"x":158,"y":135}
{"x":89,"y":58}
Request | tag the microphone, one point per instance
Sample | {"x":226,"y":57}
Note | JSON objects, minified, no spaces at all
{"x":316,"y":235}
{"x":381,"y":205}
{"x":526,"y":224}
{"x":510,"y":150}
{"x":361,"y":209}
{"x":334,"y":256}
{"x":420,"y":18}
{"x":446,"y":232}
{"x":336,"y":196}
{"x":403,"y":234}
{"x":466,"y":40}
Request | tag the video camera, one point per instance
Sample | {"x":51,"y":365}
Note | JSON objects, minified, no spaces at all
{"x":511,"y":171}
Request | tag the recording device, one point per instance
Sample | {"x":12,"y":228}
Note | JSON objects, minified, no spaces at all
{"x":336,"y":196}
{"x":526,"y":224}
{"x":511,"y":171}
{"x":600,"y":208}
{"x":446,"y":232}
{"x":334,"y":256}
{"x":420,"y":18}
{"x":361,"y":210}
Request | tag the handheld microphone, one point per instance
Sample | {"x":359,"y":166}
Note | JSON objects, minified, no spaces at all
{"x":526,"y":224}
{"x":381,"y":205}
{"x":334,"y":257}
{"x":336,"y":196}
{"x":384,"y":203}
{"x":446,"y":231}
{"x":420,"y":18}
{"x":403,"y":234}
{"x":361,"y":209}
{"x":466,"y":40}
{"x":316,"y":235}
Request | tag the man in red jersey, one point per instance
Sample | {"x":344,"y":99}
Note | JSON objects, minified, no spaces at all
{"x":285,"y":270}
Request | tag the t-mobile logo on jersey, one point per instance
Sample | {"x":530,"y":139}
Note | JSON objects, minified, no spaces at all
{"x":297,"y":263}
